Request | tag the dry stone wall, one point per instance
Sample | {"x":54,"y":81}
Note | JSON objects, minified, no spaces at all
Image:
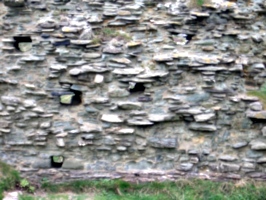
{"x":138,"y":89}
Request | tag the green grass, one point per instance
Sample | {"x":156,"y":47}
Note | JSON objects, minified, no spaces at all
{"x":9,"y":178}
{"x":261,"y":94}
{"x":121,"y":190}
{"x":180,"y":189}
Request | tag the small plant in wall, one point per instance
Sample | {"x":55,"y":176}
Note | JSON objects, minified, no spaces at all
{"x":25,"y":184}
{"x":261,"y":94}
{"x":197,"y":3}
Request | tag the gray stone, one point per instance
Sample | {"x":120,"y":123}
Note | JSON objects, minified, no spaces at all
{"x":228,"y":158}
{"x":139,"y":122}
{"x":90,"y":128}
{"x":10,"y":100}
{"x":129,"y":105}
{"x":42,"y":163}
{"x":117,"y":92}
{"x":256,"y":106}
{"x":14,"y":3}
{"x":112,"y":118}
{"x":185,"y":167}
{"x":72,"y":163}
{"x":261,"y":160}
{"x":163,"y":142}
{"x":263,"y":130}
{"x":239,"y":144}
{"x":202,"y":127}
{"x":141,"y":165}
{"x":256,"y":115}
{"x":161,"y":117}
{"x":258,"y":144}
{"x":228,"y":167}
{"x":204,"y":117}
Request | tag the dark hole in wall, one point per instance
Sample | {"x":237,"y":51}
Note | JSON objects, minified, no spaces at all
{"x":189,"y":37}
{"x":138,"y":87}
{"x":257,"y":121}
{"x":20,"y":39}
{"x":57,"y":161}
{"x":75,"y":98}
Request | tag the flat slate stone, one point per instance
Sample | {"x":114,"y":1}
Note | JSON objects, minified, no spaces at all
{"x":256,"y":115}
{"x":129,"y":105}
{"x":202,"y":127}
{"x":258,"y":144}
{"x":204,"y":117}
{"x":163,"y":142}
{"x":112,"y":118}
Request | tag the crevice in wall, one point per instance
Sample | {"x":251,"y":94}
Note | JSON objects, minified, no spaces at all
{"x":137,"y":87}
{"x":72,"y":98}
{"x":57,"y":161}
{"x":20,"y":41}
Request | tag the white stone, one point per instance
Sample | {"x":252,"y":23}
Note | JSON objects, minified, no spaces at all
{"x":204,"y":117}
{"x":126,"y":131}
{"x":60,"y":142}
{"x":112,"y":118}
{"x":98,"y":78}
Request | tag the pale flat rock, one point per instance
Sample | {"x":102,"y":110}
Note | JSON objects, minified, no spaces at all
{"x":12,"y":195}
{"x":153,"y":74}
{"x":204,"y":117}
{"x":192,"y":111}
{"x":89,"y":128}
{"x":60,"y":142}
{"x":125,"y":131}
{"x":112,"y":118}
{"x":258,"y":144}
{"x":256,"y":115}
{"x":70,"y":29}
{"x":202,"y":127}
{"x":58,"y":67}
{"x":134,"y":44}
{"x":121,"y":60}
{"x":129,"y":71}
{"x":98,"y":78}
{"x":163,"y":57}
{"x":33,"y":58}
{"x":11,"y":100}
{"x":160,"y":117}
{"x":81,"y":42}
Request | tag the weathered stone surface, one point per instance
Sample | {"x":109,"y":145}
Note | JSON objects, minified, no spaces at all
{"x":72,"y":163}
{"x":202,"y":127}
{"x":129,"y":105}
{"x":10,"y":100}
{"x":204,"y":117}
{"x":112,"y":118}
{"x":14,"y":3}
{"x":163,"y":142}
{"x":258,"y":144}
{"x":256,"y":106}
{"x":88,"y":128}
{"x":185,"y":167}
{"x":256,"y":115}
{"x":226,"y":167}
{"x":111,"y":85}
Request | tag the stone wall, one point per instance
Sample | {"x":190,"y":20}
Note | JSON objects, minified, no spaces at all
{"x":138,"y":89}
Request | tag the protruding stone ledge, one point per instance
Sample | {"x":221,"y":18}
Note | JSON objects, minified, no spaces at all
{"x":14,"y":3}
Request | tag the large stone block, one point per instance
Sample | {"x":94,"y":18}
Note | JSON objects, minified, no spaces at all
{"x":72,"y":163}
{"x":14,"y":3}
